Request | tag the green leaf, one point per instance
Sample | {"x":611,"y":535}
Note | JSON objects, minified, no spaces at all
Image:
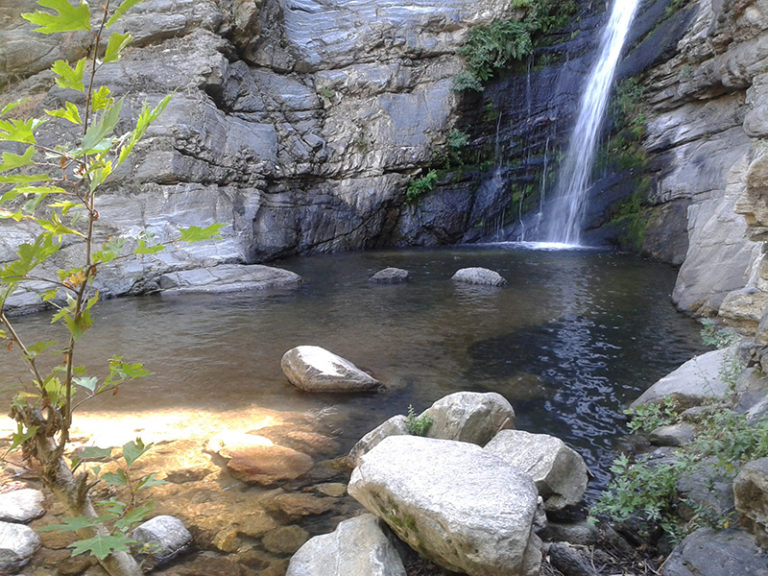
{"x":122,"y":9}
{"x":146,"y":117}
{"x":77,"y":325}
{"x":142,"y":248}
{"x":102,"y":546}
{"x":120,"y":371}
{"x":56,"y":227}
{"x":101,"y":99}
{"x":87,"y":382}
{"x":22,"y":179}
{"x":134,"y":517}
{"x":68,"y":19}
{"x":38,"y":348}
{"x":115,"y":478}
{"x":115,"y":45}
{"x":68,"y":77}
{"x":103,"y":127}
{"x":11,"y":161}
{"x":110,"y":250}
{"x":8,"y":107}
{"x":21,"y":435}
{"x":94,"y":453}
{"x":133,"y":450}
{"x":20,"y":130}
{"x":197,"y":234}
{"x":149,"y":480}
{"x":99,"y":174}
{"x":69,"y":112}
{"x":30,"y":256}
{"x":65,"y":205}
{"x":71,"y":524}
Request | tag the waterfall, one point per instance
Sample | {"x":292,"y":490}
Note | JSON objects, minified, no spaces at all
{"x":565,"y":213}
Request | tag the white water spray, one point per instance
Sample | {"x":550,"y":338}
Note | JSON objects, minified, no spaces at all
{"x":566,"y":212}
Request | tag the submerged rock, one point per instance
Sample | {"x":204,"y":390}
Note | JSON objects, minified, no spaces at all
{"x":166,"y":536}
{"x":390,"y":276}
{"x":480,"y":276}
{"x":314,"y":369}
{"x":456,"y":504}
{"x":558,"y":471}
{"x":357,"y":547}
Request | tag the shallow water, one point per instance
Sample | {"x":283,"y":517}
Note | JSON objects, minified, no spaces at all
{"x":573,"y":338}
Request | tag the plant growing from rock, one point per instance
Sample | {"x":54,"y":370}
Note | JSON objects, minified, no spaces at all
{"x":54,"y":189}
{"x":417,"y":425}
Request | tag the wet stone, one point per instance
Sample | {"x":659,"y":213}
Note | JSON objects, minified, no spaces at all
{"x":285,"y":540}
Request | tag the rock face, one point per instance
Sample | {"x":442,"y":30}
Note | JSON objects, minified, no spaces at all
{"x":558,"y":471}
{"x":358,"y":546}
{"x":750,"y":492}
{"x":297,"y":125}
{"x":710,"y":553}
{"x":408,"y":482}
{"x":314,"y":369}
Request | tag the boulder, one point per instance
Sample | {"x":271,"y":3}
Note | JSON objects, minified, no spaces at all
{"x":453,"y":502}
{"x":558,"y":471}
{"x":750,"y":493}
{"x":395,"y":426}
{"x":22,"y":505}
{"x":707,"y":552}
{"x":479,"y":276}
{"x":473,"y":417}
{"x":357,"y":547}
{"x":267,"y":465}
{"x":673,"y":435}
{"x":229,"y":278}
{"x":314,"y":369}
{"x":17,"y":545}
{"x":166,"y":536}
{"x":693,"y":383}
{"x":390,"y":276}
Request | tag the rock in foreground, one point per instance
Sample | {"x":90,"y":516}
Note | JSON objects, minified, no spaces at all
{"x":559,"y":472}
{"x":357,"y":547}
{"x":314,"y":369}
{"x":453,"y":502}
{"x":17,"y":544}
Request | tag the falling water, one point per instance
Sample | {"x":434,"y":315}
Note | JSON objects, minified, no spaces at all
{"x":565,"y":214}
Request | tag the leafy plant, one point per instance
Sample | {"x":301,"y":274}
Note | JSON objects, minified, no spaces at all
{"x":420,"y":186}
{"x":119,"y":516}
{"x":648,"y":417}
{"x":55,"y":187}
{"x":418,"y":425}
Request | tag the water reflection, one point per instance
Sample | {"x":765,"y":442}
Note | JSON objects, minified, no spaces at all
{"x":575,"y":336}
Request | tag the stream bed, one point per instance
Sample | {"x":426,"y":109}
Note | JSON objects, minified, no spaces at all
{"x":574,"y":337}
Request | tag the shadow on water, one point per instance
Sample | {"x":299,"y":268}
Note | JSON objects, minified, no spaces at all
{"x":574,"y":337}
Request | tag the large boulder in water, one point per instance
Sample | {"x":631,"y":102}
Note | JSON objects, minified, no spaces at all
{"x":456,"y":504}
{"x":480,"y":276}
{"x":559,"y":472}
{"x":358,"y":547}
{"x":314,"y":369}
{"x":470,"y":416}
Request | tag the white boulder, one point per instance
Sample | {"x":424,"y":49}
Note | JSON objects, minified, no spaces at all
{"x":314,"y":369}
{"x":480,"y":276}
{"x":470,"y":416}
{"x":453,"y":502}
{"x":558,"y":471}
{"x":357,"y":547}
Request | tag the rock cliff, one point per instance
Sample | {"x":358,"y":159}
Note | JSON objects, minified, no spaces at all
{"x":297,"y":123}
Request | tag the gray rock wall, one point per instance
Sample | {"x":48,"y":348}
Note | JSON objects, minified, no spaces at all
{"x":296,"y":123}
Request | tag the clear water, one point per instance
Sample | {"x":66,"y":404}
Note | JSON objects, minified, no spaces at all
{"x":574,"y":337}
{"x":563,"y":220}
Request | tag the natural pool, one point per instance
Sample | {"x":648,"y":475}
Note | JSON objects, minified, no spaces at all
{"x":574,"y":337}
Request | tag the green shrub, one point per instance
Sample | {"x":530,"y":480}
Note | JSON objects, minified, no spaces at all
{"x":418,"y":425}
{"x":648,"y":417}
{"x":420,"y":186}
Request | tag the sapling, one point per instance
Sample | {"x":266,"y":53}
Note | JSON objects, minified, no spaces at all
{"x":54,"y":188}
